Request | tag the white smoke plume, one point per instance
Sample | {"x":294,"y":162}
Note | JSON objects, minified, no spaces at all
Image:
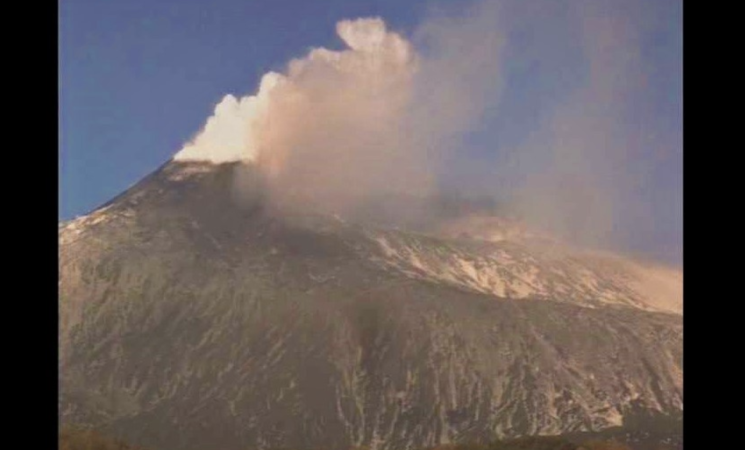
{"x":329,"y":130}
{"x":339,"y":127}
{"x":392,"y":114}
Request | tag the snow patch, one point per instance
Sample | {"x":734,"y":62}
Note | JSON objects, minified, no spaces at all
{"x":520,"y":271}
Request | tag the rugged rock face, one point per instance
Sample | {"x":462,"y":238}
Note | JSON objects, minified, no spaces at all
{"x":188,"y":322}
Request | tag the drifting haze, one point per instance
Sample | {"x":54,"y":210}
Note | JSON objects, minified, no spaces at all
{"x":397,"y":115}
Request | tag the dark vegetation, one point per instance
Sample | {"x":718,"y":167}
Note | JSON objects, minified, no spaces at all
{"x":86,"y":439}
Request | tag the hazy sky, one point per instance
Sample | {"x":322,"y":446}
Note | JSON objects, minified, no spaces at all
{"x":579,"y":118}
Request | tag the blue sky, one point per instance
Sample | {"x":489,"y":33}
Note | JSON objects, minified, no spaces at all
{"x":139,"y":78}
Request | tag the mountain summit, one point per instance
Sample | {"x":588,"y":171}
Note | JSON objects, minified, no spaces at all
{"x":194,"y":316}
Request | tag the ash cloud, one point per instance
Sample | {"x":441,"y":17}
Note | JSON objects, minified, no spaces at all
{"x":415,"y":116}
{"x":378,"y":118}
{"x":331,"y":130}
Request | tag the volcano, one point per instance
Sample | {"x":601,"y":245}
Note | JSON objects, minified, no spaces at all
{"x":195,"y":317}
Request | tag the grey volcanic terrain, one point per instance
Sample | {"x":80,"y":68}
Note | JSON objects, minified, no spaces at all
{"x":192,"y":321}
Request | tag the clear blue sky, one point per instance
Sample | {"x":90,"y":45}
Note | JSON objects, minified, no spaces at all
{"x":138,"y":78}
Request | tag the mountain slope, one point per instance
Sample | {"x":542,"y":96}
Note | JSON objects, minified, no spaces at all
{"x":190,"y":320}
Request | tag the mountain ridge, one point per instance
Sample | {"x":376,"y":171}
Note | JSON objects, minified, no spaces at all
{"x":192,"y":316}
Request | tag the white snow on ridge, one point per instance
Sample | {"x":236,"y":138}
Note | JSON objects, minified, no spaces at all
{"x":520,"y":271}
{"x":72,"y":228}
{"x":516,"y":267}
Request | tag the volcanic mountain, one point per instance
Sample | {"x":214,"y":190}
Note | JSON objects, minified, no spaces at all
{"x":192,"y":318}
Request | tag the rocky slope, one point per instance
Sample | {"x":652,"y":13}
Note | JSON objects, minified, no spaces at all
{"x":190,"y":320}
